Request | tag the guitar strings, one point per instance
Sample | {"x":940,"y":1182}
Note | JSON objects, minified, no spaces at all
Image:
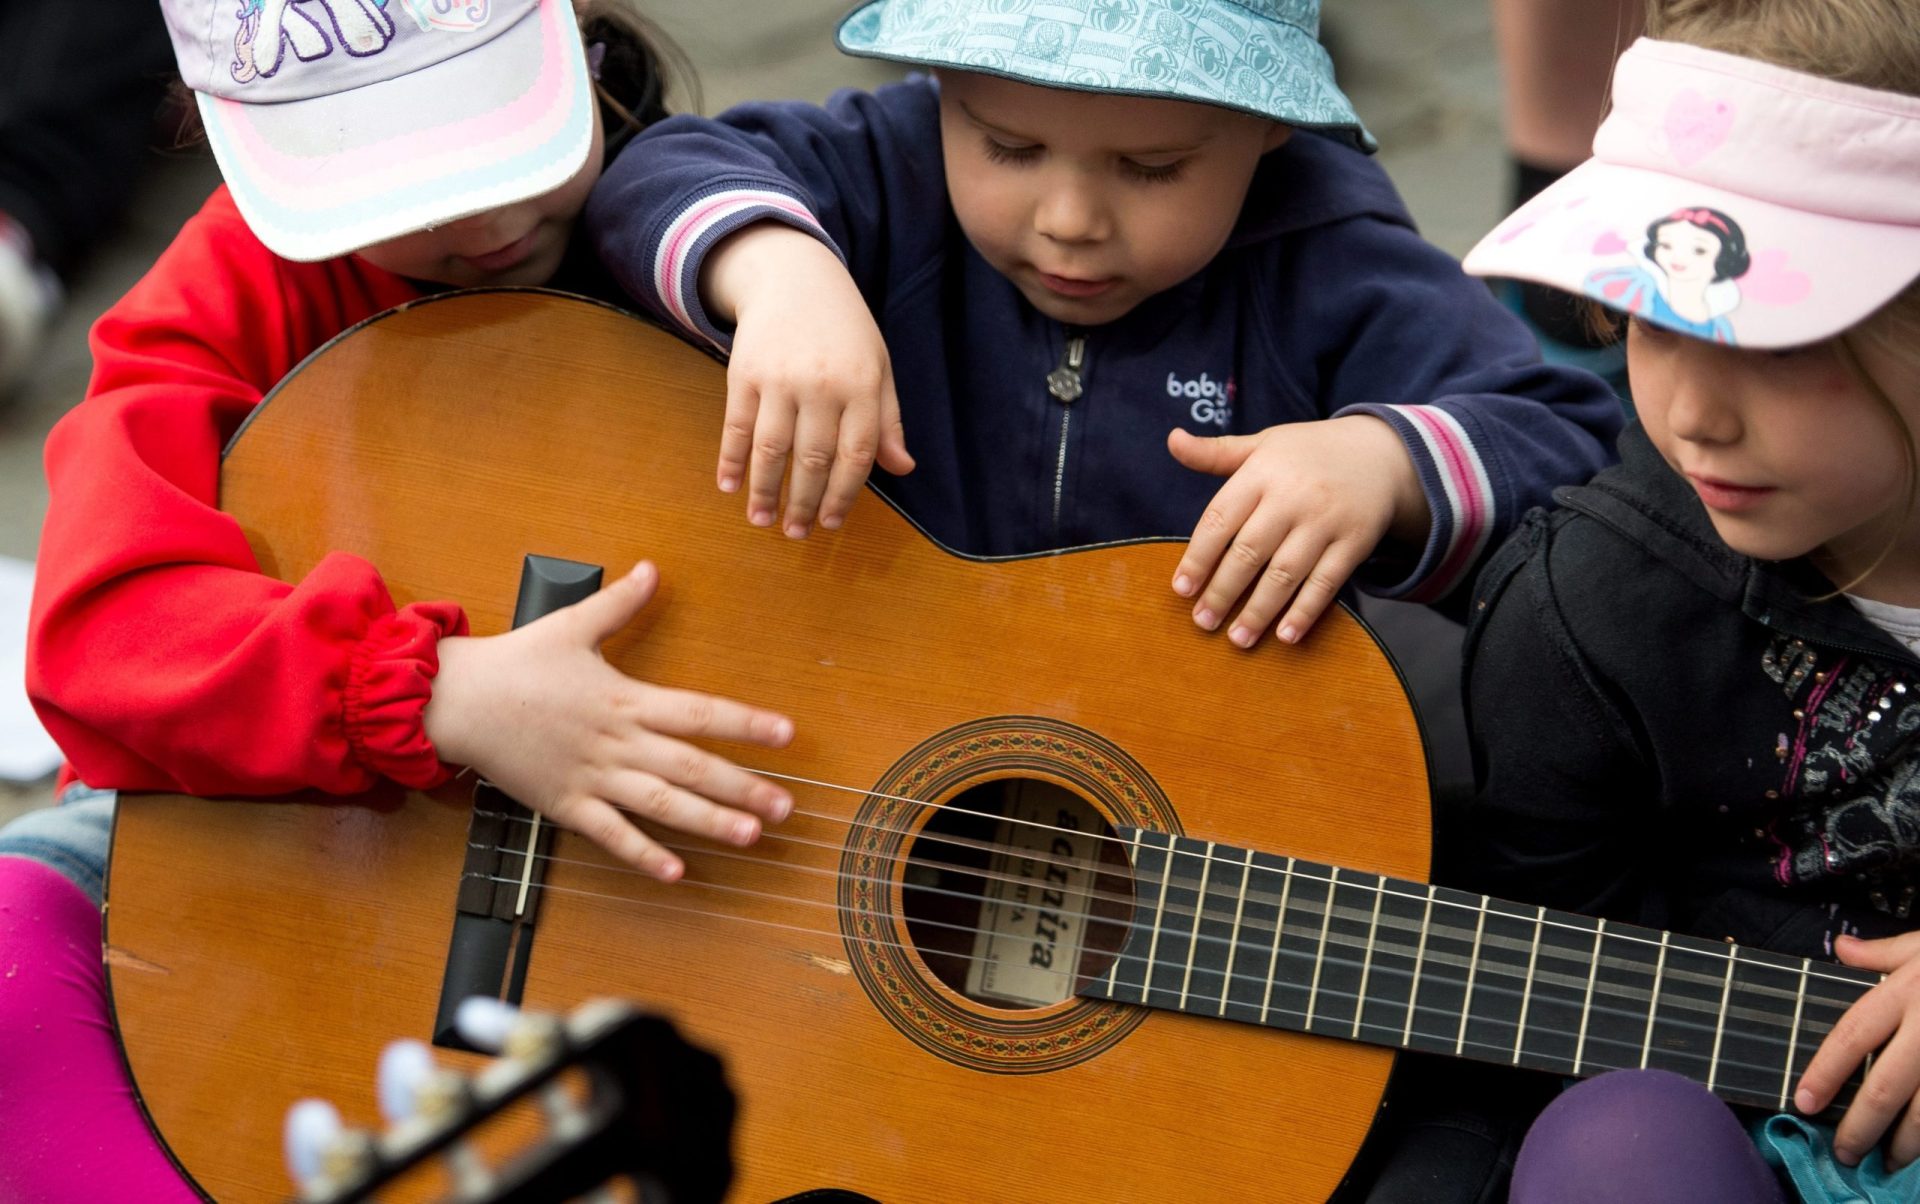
{"x":1501,"y":1050}
{"x":1430,"y":956}
{"x":1381,"y":885}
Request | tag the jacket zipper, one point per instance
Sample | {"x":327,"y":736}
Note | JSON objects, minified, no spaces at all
{"x":1066,"y":386}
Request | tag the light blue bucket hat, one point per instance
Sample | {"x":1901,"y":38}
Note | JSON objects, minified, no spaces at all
{"x":1258,"y":56}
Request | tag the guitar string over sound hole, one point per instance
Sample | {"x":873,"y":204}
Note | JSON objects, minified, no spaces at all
{"x":911,"y":959}
{"x":1016,"y":892}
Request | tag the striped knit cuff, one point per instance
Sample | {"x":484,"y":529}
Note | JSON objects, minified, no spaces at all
{"x":1459,"y":492}
{"x":706,"y":220}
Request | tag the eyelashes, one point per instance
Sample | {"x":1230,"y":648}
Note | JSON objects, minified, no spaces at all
{"x":1022,"y":156}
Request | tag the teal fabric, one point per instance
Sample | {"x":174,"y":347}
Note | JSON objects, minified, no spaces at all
{"x":1259,"y":56}
{"x":1804,"y":1151}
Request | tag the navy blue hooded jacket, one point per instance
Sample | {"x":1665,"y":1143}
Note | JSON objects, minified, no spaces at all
{"x":1325,"y":301}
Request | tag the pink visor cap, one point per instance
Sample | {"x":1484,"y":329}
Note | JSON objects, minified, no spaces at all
{"x":1730,"y":200}
{"x":343,"y":123}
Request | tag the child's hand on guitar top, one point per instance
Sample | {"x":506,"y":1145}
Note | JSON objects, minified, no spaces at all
{"x":1304,"y":505}
{"x":809,"y":376}
{"x":1885,"y":1019}
{"x":541,"y":715}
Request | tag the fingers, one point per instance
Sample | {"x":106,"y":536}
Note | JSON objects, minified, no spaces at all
{"x":1885,"y":955}
{"x":1220,"y":456}
{"x":1336,"y":565}
{"x":608,"y":826}
{"x":1864,"y":1028}
{"x":894,"y":456}
{"x":818,"y":430}
{"x":772,"y":440}
{"x":736,"y":432}
{"x":1887,"y":1090}
{"x":1222,"y":521}
{"x":615,"y":605}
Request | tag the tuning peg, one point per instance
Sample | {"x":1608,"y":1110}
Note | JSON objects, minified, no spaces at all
{"x":405,"y":1067}
{"x":485,"y":1022}
{"x":312,"y":1126}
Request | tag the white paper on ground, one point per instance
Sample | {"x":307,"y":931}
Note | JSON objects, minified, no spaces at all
{"x":27,"y":753}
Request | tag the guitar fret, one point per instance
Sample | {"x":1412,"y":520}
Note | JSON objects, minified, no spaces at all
{"x":1586,"y":1004}
{"x":1419,"y":957}
{"x":1199,"y":913}
{"x":1526,"y":994}
{"x":1653,"y":1001}
{"x":1793,"y":1032}
{"x":1473,"y":967}
{"x":1279,"y":926}
{"x":1159,"y":922}
{"x":1320,"y":954}
{"x":1233,"y":941}
{"x":1720,"y":1021}
{"x":1366,"y":964}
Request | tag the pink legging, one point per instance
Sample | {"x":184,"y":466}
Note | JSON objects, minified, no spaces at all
{"x":72,"y":1131}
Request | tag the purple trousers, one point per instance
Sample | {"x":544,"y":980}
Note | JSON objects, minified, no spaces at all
{"x":1640,"y":1137}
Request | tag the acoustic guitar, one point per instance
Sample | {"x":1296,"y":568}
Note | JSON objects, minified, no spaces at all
{"x":1077,"y":902}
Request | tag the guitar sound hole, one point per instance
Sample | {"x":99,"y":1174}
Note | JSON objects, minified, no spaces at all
{"x":1015,"y":892}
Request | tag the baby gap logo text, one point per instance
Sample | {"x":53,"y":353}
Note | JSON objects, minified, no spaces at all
{"x":1211,"y":401}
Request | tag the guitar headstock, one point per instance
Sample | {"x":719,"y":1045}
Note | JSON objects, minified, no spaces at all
{"x":625,"y":1103}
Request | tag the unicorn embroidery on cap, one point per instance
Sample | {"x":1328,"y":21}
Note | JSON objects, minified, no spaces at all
{"x":1687,"y":276}
{"x":360,"y":27}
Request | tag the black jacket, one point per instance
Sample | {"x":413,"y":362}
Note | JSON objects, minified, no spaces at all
{"x":1669,"y":733}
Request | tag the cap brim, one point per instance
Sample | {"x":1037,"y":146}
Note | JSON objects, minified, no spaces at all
{"x":1806,"y":276}
{"x":319,"y":178}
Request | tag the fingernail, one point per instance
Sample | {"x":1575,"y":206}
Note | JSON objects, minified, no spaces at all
{"x":760,"y":518}
{"x":1846,"y":1156}
{"x":782,"y":807}
{"x":796,"y":531}
{"x":1241,"y":636}
{"x":1183,"y":585}
{"x":744,"y":831}
{"x":783,"y":730}
{"x":1206,"y":618}
{"x":729,"y":484}
{"x":1803,"y":1100}
{"x":1290,"y":634}
{"x":671,"y":871}
{"x":831,"y":522}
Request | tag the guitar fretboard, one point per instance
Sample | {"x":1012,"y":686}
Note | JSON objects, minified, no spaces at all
{"x":1264,"y":939}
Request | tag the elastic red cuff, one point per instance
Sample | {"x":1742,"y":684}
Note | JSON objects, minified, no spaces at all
{"x":389,"y":682}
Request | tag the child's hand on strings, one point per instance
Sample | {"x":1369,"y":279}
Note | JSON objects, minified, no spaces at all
{"x":541,"y":715}
{"x":1886,"y":1019}
{"x":1304,"y":505}
{"x":809,"y":378}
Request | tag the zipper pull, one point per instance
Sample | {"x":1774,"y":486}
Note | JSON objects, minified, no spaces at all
{"x":1064,"y":382}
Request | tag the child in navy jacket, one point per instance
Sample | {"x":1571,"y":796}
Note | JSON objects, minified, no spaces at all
{"x":1096,"y":227}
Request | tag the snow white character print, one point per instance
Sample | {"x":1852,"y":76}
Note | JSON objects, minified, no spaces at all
{"x":1685,"y":280}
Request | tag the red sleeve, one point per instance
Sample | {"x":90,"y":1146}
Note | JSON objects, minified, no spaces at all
{"x":160,"y":656}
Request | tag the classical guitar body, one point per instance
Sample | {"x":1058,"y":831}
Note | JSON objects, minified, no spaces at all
{"x":966,"y":714}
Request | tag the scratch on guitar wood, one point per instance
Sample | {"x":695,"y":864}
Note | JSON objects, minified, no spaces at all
{"x":831,"y":964}
{"x":122,"y":959}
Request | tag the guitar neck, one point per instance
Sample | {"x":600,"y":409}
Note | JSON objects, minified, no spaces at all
{"x":1263,"y":939}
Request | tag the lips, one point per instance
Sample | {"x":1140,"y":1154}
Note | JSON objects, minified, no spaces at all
{"x":1076,"y":287}
{"x":1726,"y":496}
{"x":503,"y":258}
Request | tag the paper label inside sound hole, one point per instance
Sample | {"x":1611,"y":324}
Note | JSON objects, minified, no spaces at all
{"x":1033,"y":912}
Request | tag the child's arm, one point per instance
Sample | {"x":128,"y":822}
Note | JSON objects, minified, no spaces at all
{"x":773,"y":232}
{"x":1370,"y":319}
{"x":1885,"y":1022}
{"x":162,"y":658}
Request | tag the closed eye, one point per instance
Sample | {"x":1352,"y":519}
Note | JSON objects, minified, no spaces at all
{"x":999,"y":152}
{"x":1154,"y":173}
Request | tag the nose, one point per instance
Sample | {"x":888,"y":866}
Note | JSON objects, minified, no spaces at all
{"x":1701,"y":406}
{"x":1071,"y":210}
